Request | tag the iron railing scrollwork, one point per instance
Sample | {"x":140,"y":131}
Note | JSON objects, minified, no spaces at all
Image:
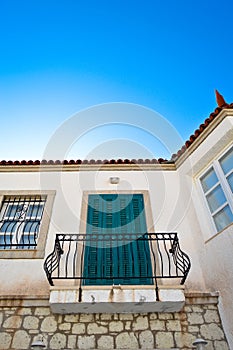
{"x":52,"y":262}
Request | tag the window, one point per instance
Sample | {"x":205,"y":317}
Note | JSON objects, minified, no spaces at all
{"x":217,"y":185}
{"x":20,"y":220}
{"x":24,"y":222}
{"x":123,"y":260}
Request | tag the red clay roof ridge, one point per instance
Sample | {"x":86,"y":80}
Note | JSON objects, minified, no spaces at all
{"x":221,"y":105}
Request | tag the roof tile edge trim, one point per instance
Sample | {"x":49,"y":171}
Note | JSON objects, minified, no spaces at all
{"x":199,"y":131}
{"x":85,"y":161}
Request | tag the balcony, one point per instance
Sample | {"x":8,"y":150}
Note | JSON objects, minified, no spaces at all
{"x":95,"y":273}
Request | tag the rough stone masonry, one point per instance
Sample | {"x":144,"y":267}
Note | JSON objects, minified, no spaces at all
{"x":21,"y":325}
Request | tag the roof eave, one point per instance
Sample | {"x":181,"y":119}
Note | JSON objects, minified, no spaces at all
{"x":203,"y":135}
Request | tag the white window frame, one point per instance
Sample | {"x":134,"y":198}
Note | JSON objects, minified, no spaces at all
{"x":39,"y":251}
{"x":222,"y":181}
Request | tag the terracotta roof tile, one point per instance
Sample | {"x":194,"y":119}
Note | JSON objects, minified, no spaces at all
{"x":85,"y":161}
{"x":201,"y":128}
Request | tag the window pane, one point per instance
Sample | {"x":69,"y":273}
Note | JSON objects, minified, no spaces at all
{"x":31,"y":226}
{"x":8,"y":226}
{"x":11,"y":211}
{"x":230,"y":181}
{"x":15,"y":210}
{"x":5,"y":241}
{"x":27,"y":242}
{"x":209,"y":180}
{"x":227,"y":161}
{"x":216,"y":198}
{"x":223,"y":218}
{"x":35,"y":210}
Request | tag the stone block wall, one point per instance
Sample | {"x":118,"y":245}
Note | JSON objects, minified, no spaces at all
{"x":23,"y":321}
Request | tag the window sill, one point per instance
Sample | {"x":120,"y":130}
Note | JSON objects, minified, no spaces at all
{"x":227,"y":229}
{"x":22,"y":254}
{"x":116,"y":299}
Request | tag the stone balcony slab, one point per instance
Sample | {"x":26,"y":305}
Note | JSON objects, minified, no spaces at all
{"x":116,"y":299}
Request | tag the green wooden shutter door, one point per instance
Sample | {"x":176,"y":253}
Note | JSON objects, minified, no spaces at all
{"x":107,"y":263}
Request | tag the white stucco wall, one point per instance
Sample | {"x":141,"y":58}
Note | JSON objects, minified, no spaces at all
{"x":212,"y":249}
{"x":163,"y":193}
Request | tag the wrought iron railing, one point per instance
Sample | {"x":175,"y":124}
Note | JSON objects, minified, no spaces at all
{"x":166,"y":259}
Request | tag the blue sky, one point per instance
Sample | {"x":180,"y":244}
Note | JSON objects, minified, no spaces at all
{"x":60,"y":57}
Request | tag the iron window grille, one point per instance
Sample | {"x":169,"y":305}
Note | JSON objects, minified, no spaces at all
{"x":20,"y":220}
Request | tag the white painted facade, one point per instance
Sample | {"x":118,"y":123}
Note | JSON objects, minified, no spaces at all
{"x":173,"y":203}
